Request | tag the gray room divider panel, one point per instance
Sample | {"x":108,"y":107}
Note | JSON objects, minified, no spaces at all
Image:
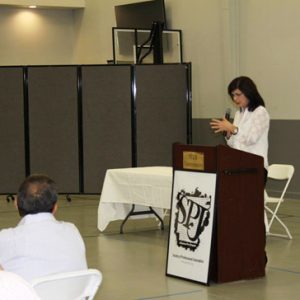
{"x":106,"y":99}
{"x":161,"y":110}
{"x":12,"y":150}
{"x":53,"y":124}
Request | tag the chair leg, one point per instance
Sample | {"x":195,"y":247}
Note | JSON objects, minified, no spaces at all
{"x":274,"y":213}
{"x":286,"y":229}
{"x":288,"y":235}
{"x":266,"y":222}
{"x":285,"y":236}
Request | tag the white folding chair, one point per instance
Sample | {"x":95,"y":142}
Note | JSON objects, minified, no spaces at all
{"x":277,"y":172}
{"x":76,"y":285}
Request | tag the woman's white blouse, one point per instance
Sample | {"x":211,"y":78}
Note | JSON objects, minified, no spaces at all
{"x":253,"y":132}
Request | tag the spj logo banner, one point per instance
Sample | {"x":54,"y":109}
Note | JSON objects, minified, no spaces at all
{"x":191,"y":225}
{"x":191,"y":217}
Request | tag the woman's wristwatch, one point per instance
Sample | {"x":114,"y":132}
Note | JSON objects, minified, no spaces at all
{"x":235,"y":131}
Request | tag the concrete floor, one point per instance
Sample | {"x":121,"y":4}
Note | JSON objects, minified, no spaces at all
{"x":133,"y":264}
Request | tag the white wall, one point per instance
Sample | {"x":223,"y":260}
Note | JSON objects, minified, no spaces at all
{"x":44,"y":3}
{"x":36,"y":36}
{"x":222,"y":39}
{"x":201,"y":23}
{"x":269,"y":52}
{"x":93,"y":41}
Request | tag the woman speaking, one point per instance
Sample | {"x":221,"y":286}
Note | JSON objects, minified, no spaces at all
{"x":250,"y":127}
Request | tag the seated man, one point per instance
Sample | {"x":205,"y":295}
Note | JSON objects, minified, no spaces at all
{"x":40,"y":245}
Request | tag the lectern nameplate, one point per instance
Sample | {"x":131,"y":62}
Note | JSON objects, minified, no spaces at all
{"x":193,"y":160}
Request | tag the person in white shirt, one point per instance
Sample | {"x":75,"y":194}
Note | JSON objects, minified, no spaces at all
{"x":14,"y":287}
{"x":40,"y":245}
{"x":250,"y":127}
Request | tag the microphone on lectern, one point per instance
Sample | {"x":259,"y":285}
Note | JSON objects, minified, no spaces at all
{"x":227,"y":114}
{"x":227,"y":117}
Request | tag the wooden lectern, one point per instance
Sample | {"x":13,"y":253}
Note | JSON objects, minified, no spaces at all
{"x":238,"y":241}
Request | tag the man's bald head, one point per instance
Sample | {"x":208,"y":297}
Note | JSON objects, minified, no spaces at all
{"x":36,"y":194}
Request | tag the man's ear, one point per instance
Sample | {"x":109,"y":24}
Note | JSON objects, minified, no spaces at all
{"x":54,"y":208}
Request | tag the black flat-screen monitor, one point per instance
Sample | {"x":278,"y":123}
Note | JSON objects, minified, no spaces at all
{"x":140,"y":15}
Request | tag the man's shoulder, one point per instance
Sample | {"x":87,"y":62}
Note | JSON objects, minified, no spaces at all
{"x":67,"y":226}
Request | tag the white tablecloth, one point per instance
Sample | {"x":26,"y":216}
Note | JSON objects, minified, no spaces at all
{"x":147,"y":186}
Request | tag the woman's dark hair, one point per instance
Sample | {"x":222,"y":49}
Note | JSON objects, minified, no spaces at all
{"x":36,"y":194}
{"x":249,"y":89}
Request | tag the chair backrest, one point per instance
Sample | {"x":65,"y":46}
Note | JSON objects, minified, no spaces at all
{"x":281,"y":172}
{"x":68,"y":286}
